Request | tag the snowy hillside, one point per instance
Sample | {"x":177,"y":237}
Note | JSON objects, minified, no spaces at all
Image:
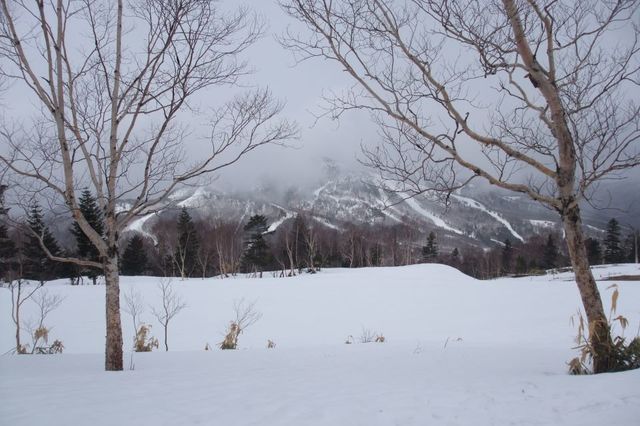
{"x":478,"y":218}
{"x":457,"y":351}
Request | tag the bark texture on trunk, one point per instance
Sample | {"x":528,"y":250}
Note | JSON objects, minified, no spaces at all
{"x":113,"y":347}
{"x":599,"y":334}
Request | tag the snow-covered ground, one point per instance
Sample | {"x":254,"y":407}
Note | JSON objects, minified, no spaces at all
{"x":458,"y":352}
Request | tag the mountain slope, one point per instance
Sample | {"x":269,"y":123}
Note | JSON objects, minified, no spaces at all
{"x":362,"y":200}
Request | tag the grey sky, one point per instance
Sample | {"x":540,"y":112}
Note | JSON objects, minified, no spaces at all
{"x":301,"y":86}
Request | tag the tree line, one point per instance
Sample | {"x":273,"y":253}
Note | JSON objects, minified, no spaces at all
{"x":188,"y":247}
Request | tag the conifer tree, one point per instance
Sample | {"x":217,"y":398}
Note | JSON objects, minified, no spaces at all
{"x":613,"y":252}
{"x":521,"y":265}
{"x":631,"y":247}
{"x":257,"y":255}
{"x":550,"y":254}
{"x":3,"y":209}
{"x":185,"y":256}
{"x":594,"y":251}
{"x":507,"y":256}
{"x":134,"y":258}
{"x":87,"y":250}
{"x":7,"y":253}
{"x":7,"y":246}
{"x":455,"y":254}
{"x":430,"y":251}
{"x":37,"y":265}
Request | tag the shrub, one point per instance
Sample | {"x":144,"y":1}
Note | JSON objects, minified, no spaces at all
{"x":369,"y":336}
{"x":622,"y":355}
{"x":144,"y":342}
{"x":246,"y":315}
{"x":231,"y":338}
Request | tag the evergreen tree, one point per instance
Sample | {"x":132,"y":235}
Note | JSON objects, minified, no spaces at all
{"x":550,"y":254}
{"x":187,"y":250}
{"x":507,"y":256}
{"x":455,"y":256}
{"x":134,"y":258}
{"x":37,"y":265}
{"x":7,"y":246}
{"x":521,"y":265}
{"x":594,"y":251}
{"x":3,"y":209}
{"x":613,"y":252}
{"x":257,"y":255}
{"x":430,"y":251}
{"x":631,"y":247}
{"x":86,"y":250}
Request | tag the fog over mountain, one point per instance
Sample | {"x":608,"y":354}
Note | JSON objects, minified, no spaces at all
{"x":476,"y":215}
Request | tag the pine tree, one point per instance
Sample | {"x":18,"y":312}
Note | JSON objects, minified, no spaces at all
{"x":594,"y":251}
{"x":3,"y":209}
{"x":257,"y":255}
{"x":455,"y":258}
{"x":507,"y":256}
{"x":86,"y":250}
{"x":187,"y":250}
{"x":521,"y":265}
{"x":631,"y":247}
{"x":134,"y":259}
{"x":430,"y":251}
{"x":90,"y":210}
{"x":7,"y":246}
{"x":550,"y":254}
{"x":613,"y":252}
{"x":37,"y":265}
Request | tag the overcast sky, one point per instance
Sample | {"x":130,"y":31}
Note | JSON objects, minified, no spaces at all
{"x":301,"y":86}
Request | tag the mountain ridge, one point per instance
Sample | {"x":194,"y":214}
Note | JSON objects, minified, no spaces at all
{"x":481,"y":218}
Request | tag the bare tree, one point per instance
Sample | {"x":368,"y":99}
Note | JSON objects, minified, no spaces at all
{"x":172,"y":304}
{"x":245,"y":316}
{"x":542,"y":89}
{"x":39,"y":332}
{"x":134,"y":306}
{"x":114,"y":81}
{"x":311,"y":240}
{"x":206,"y":250}
{"x":19,"y":294}
{"x":290,"y":252}
{"x":228,"y":245}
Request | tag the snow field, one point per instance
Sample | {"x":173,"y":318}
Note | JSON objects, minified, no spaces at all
{"x":458,"y":352}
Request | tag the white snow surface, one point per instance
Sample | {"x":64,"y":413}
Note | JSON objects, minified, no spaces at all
{"x":477,"y":205}
{"x":458,"y":351}
{"x":542,"y":223}
{"x":276,"y":224}
{"x":138,"y":226}
{"x":429,"y":215}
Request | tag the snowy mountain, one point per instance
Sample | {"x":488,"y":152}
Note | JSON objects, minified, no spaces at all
{"x":479,"y":217}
